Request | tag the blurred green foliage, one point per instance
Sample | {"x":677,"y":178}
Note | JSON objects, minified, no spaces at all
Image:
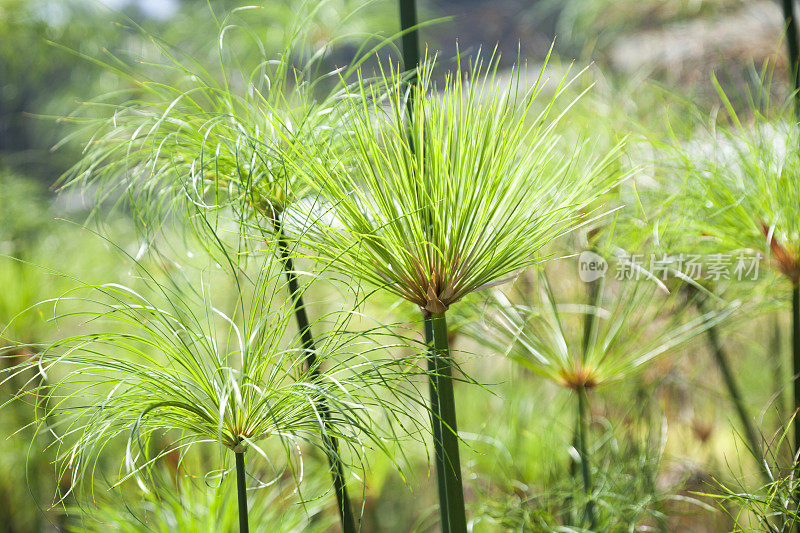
{"x":672,"y":430}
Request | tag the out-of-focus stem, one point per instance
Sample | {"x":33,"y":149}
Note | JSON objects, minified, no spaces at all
{"x":793,"y":45}
{"x":410,"y":39}
{"x":775,"y":349}
{"x":723,"y":364}
{"x":579,"y":438}
{"x":583,"y":451}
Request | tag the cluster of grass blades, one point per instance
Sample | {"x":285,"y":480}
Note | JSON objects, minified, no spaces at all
{"x":457,"y":200}
{"x":163,"y":359}
{"x":771,"y":506}
{"x":194,"y":139}
{"x":582,"y":347}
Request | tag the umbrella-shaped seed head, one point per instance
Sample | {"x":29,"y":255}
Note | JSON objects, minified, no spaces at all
{"x":736,"y":182}
{"x":198,"y":138}
{"x":578,"y":378}
{"x":458,"y":199}
{"x":163,"y":358}
{"x":581,"y":346}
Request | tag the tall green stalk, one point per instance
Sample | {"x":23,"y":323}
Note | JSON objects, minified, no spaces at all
{"x":724,"y":366}
{"x":594,"y":293}
{"x":793,"y":45}
{"x":583,"y":451}
{"x":794,"y":49}
{"x":451,"y":493}
{"x":796,"y":358}
{"x":436,"y":421}
{"x":410,"y":38}
{"x":307,"y":339}
{"x":241,"y":485}
{"x":775,"y":348}
{"x":443,"y":413}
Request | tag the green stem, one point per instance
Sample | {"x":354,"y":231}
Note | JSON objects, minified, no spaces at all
{"x":579,"y":436}
{"x":589,"y":318}
{"x":794,"y":49}
{"x":436,"y":421}
{"x":331,"y":443}
{"x":410,"y":39}
{"x":448,"y":469}
{"x":454,"y":516}
{"x":583,"y":451}
{"x":796,"y":360}
{"x":241,"y":486}
{"x":408,"y":19}
{"x":724,"y":366}
{"x":775,"y":349}
{"x":573,"y":473}
{"x":796,"y":383}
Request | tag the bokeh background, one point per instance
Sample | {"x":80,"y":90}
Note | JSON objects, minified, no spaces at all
{"x":674,"y":435}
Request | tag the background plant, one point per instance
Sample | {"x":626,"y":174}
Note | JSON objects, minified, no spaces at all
{"x":771,"y":506}
{"x":581,"y":347}
{"x":684,"y":388}
{"x":738,"y":189}
{"x":196,"y":374}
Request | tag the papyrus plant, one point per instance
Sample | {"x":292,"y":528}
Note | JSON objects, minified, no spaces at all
{"x":581,"y":347}
{"x":740,"y":190}
{"x":189,"y":361}
{"x":457,"y":201}
{"x":208,"y":144}
{"x":211,"y":136}
{"x":676,"y":253}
